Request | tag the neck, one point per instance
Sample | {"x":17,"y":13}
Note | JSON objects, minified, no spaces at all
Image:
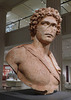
{"x":41,"y":47}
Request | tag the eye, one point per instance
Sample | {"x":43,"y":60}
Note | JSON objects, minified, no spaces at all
{"x":45,"y":23}
{"x":54,"y":25}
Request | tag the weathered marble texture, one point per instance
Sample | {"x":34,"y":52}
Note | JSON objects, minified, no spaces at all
{"x":34,"y":63}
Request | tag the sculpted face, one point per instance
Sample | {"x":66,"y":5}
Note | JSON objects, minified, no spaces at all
{"x":46,"y":30}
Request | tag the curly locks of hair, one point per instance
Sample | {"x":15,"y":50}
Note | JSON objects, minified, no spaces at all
{"x":41,"y":13}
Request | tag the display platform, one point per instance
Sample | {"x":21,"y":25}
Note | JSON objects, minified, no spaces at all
{"x":30,"y":94}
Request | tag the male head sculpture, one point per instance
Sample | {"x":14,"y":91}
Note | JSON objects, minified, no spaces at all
{"x":34,"y":63}
{"x":40,"y":14}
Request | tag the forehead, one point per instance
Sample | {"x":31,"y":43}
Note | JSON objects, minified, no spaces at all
{"x":50,"y":19}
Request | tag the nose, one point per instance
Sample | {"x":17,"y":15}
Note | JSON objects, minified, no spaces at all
{"x":48,"y":25}
{"x":49,"y":29}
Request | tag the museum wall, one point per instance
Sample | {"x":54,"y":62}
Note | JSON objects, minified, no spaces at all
{"x":67,"y":63}
{"x":66,"y":55}
{"x":18,"y":36}
{"x":66,"y":23}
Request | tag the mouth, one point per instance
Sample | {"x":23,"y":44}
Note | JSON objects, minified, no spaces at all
{"x":49,"y":34}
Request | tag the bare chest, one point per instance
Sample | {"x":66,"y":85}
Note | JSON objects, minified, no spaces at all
{"x":34,"y":70}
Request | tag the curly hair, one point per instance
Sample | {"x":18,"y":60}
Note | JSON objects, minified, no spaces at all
{"x":41,"y":13}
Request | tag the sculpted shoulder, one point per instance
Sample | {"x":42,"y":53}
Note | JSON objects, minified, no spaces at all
{"x":15,"y":54}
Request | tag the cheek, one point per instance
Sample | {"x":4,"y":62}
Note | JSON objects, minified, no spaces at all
{"x":41,"y":29}
{"x":55,"y":29}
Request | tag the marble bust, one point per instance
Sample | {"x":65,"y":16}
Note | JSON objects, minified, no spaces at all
{"x":34,"y":63}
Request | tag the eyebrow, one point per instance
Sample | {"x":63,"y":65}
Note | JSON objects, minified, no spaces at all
{"x":47,"y":22}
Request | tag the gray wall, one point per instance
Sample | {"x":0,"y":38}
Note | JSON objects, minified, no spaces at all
{"x":18,"y":37}
{"x":66,"y":24}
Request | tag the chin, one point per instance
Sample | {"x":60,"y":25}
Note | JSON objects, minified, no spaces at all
{"x":48,"y":41}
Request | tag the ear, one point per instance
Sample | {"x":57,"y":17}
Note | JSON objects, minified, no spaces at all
{"x":32,"y":38}
{"x":58,"y":32}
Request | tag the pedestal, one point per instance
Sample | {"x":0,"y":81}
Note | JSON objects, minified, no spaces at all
{"x":30,"y":94}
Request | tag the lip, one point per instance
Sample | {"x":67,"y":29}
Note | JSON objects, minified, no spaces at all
{"x":49,"y":34}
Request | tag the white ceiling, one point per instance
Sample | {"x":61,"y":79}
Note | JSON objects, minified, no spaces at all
{"x":24,"y":9}
{"x":27,"y":8}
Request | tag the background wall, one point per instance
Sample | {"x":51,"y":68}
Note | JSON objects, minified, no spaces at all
{"x":66,"y":24}
{"x":19,"y":36}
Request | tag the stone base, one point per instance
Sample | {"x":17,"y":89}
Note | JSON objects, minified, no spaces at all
{"x":30,"y":94}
